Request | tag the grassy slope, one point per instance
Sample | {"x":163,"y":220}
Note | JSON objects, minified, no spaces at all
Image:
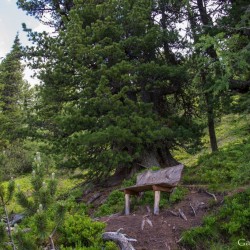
{"x":227,"y":168}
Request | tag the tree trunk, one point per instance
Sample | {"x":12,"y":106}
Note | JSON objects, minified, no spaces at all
{"x":160,"y":157}
{"x":210,"y":121}
{"x":207,"y":20}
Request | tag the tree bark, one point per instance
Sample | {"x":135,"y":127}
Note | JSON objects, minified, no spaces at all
{"x":210,"y":122}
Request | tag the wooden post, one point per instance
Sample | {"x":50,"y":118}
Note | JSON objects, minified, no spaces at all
{"x":127,"y":204}
{"x":157,"y":201}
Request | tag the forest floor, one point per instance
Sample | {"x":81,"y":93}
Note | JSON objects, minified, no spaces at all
{"x":164,"y":230}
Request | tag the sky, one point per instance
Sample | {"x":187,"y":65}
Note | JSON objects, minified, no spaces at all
{"x":11,"y":19}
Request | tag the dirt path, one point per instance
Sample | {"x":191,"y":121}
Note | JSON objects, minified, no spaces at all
{"x":166,"y":228}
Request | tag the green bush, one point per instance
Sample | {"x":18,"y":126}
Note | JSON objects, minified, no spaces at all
{"x":226,"y":227}
{"x":113,"y":204}
{"x":79,"y":231}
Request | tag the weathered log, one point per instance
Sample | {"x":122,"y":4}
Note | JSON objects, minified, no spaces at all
{"x":120,"y":239}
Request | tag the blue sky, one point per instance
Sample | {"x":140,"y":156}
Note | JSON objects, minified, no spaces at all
{"x":11,"y":19}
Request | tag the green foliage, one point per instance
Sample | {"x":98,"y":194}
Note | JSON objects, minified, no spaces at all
{"x":43,"y":193}
{"x":25,"y":241}
{"x":3,"y":234}
{"x":130,"y":92}
{"x":240,"y":103}
{"x":178,"y":194}
{"x":79,"y":230}
{"x":228,"y":166}
{"x":226,"y":227}
{"x":113,"y":204}
{"x":14,"y":160}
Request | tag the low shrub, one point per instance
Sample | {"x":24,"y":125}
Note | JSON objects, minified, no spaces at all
{"x":81,"y":232}
{"x":225,"y":228}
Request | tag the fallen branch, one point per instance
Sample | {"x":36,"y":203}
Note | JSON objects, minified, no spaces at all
{"x":183,"y":216}
{"x":145,"y":219}
{"x":174,"y":213}
{"x":213,"y":195}
{"x":192,"y":209}
{"x":120,"y":239}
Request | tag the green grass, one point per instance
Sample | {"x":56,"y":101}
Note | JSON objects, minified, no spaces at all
{"x":230,"y":166}
{"x":230,"y":129}
{"x":66,"y":182}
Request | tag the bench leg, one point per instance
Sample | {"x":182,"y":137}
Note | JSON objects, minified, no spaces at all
{"x":127,"y":204}
{"x":157,"y":202}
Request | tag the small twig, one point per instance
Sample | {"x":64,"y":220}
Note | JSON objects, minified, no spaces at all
{"x":142,"y":224}
{"x":211,"y":195}
{"x":192,"y":209}
{"x":183,"y":216}
{"x":149,"y":222}
{"x":178,"y":241}
{"x":174,"y":213}
{"x":148,"y":209}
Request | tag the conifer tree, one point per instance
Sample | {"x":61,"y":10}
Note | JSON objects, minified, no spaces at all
{"x":15,"y":104}
{"x":41,"y":206}
{"x":5,"y":197}
{"x":115,"y":96}
{"x":11,"y":81}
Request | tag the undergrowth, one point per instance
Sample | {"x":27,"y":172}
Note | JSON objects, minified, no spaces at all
{"x":223,"y":229}
{"x":229,"y":167}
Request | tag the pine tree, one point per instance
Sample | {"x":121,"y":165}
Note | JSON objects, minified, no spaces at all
{"x":15,"y":104}
{"x":5,"y":197}
{"x":115,"y":96}
{"x":11,"y":82}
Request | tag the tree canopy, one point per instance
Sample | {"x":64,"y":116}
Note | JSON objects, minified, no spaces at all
{"x":124,"y":82}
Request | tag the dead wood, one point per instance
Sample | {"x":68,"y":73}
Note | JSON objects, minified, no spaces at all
{"x":183,"y":216}
{"x":193,"y":209}
{"x":174,"y":213}
{"x":146,"y":220}
{"x":120,"y":239}
{"x":213,"y":195}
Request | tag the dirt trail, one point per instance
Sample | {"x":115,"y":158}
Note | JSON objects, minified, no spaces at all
{"x":166,"y":228}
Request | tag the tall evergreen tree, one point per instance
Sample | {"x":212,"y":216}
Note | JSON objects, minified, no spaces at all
{"x":220,"y":50}
{"x":15,"y":98}
{"x":11,"y":82}
{"x":115,"y":93}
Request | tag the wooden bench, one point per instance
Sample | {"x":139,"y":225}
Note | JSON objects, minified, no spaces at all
{"x":162,"y":180}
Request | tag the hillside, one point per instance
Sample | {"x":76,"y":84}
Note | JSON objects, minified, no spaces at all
{"x":208,"y":181}
{"x":214,"y":187}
